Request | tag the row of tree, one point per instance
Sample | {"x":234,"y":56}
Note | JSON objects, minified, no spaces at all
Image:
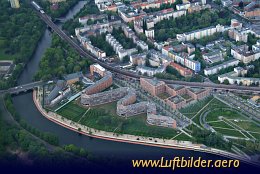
{"x":70,"y":25}
{"x":16,"y":138}
{"x":20,"y":32}
{"x":63,"y":7}
{"x":60,"y":59}
{"x":169,"y":28}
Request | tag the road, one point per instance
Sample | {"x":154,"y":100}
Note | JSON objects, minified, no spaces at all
{"x":23,"y":88}
{"x":128,"y":74}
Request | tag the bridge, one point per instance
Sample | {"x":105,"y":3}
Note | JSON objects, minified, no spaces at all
{"x":23,"y":88}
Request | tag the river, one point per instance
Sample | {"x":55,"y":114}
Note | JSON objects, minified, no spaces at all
{"x":100,"y":148}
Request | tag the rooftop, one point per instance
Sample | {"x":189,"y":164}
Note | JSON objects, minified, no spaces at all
{"x":155,"y":82}
{"x":176,"y":99}
{"x":196,"y":90}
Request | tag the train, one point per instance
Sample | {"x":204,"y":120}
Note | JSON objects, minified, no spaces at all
{"x":37,"y":7}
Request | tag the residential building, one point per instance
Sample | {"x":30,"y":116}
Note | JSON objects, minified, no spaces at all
{"x":149,"y":70}
{"x":174,"y":90}
{"x":217,"y":68}
{"x":198,"y":34}
{"x":238,"y":35}
{"x":118,"y":48}
{"x":237,"y":77}
{"x":73,"y":78}
{"x":245,"y":55}
{"x":101,"y":84}
{"x":182,"y":70}
{"x":6,"y":66}
{"x":129,"y":13}
{"x":176,"y":102}
{"x":236,"y":24}
{"x":226,"y":3}
{"x":149,"y":33}
{"x":56,"y":1}
{"x":213,"y":56}
{"x":186,"y":60}
{"x":138,"y":59}
{"x":126,"y":106}
{"x":160,"y":120}
{"x":86,"y":43}
{"x":198,"y":93}
{"x":153,"y":86}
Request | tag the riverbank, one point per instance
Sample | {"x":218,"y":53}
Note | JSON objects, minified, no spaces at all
{"x":148,"y":141}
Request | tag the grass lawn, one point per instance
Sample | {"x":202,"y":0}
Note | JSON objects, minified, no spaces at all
{"x":230,"y":132}
{"x":72,"y":111}
{"x":4,"y":56}
{"x":163,"y":95}
{"x":248,"y":125}
{"x":228,"y":114}
{"x":104,"y":117}
{"x":183,"y":137}
{"x":220,"y":124}
{"x":192,"y":109}
{"x":186,"y":96}
{"x":256,"y":135}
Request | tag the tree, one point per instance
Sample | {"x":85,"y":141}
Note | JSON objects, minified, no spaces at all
{"x":125,"y":59}
{"x":226,"y":82}
{"x":241,"y":4}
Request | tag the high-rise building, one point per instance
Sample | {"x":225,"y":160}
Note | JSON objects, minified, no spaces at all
{"x":15,"y":3}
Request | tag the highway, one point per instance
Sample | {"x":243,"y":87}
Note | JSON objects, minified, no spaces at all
{"x":128,"y":74}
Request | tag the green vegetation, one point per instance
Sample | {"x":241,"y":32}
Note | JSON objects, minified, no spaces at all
{"x":193,"y":109}
{"x":21,"y":142}
{"x":255,"y":72}
{"x":104,"y":117}
{"x":70,"y":25}
{"x":210,"y":139}
{"x":48,"y":137}
{"x":72,"y":111}
{"x":63,"y":7}
{"x":172,"y":74}
{"x":20,"y":31}
{"x":169,"y":28}
{"x":89,"y":8}
{"x":249,"y":146}
{"x":164,"y":6}
{"x":119,"y":35}
{"x":205,"y":40}
{"x":60,"y":59}
{"x":100,"y":42}
{"x":228,"y":114}
{"x":214,"y":77}
{"x":220,"y":124}
{"x":247,"y":125}
{"x":164,"y":95}
{"x":228,"y":132}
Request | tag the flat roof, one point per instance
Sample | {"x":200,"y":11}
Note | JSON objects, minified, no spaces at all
{"x":176,"y":99}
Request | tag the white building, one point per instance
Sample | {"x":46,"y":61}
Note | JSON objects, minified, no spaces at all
{"x":198,"y":34}
{"x":236,"y":77}
{"x":149,"y":33}
{"x":150,"y":71}
{"x":243,"y":54}
{"x":217,"y":68}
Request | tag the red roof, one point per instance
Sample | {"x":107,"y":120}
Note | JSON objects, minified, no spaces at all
{"x":167,"y":47}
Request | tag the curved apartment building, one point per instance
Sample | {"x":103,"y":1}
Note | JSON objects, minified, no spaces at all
{"x":125,"y":97}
